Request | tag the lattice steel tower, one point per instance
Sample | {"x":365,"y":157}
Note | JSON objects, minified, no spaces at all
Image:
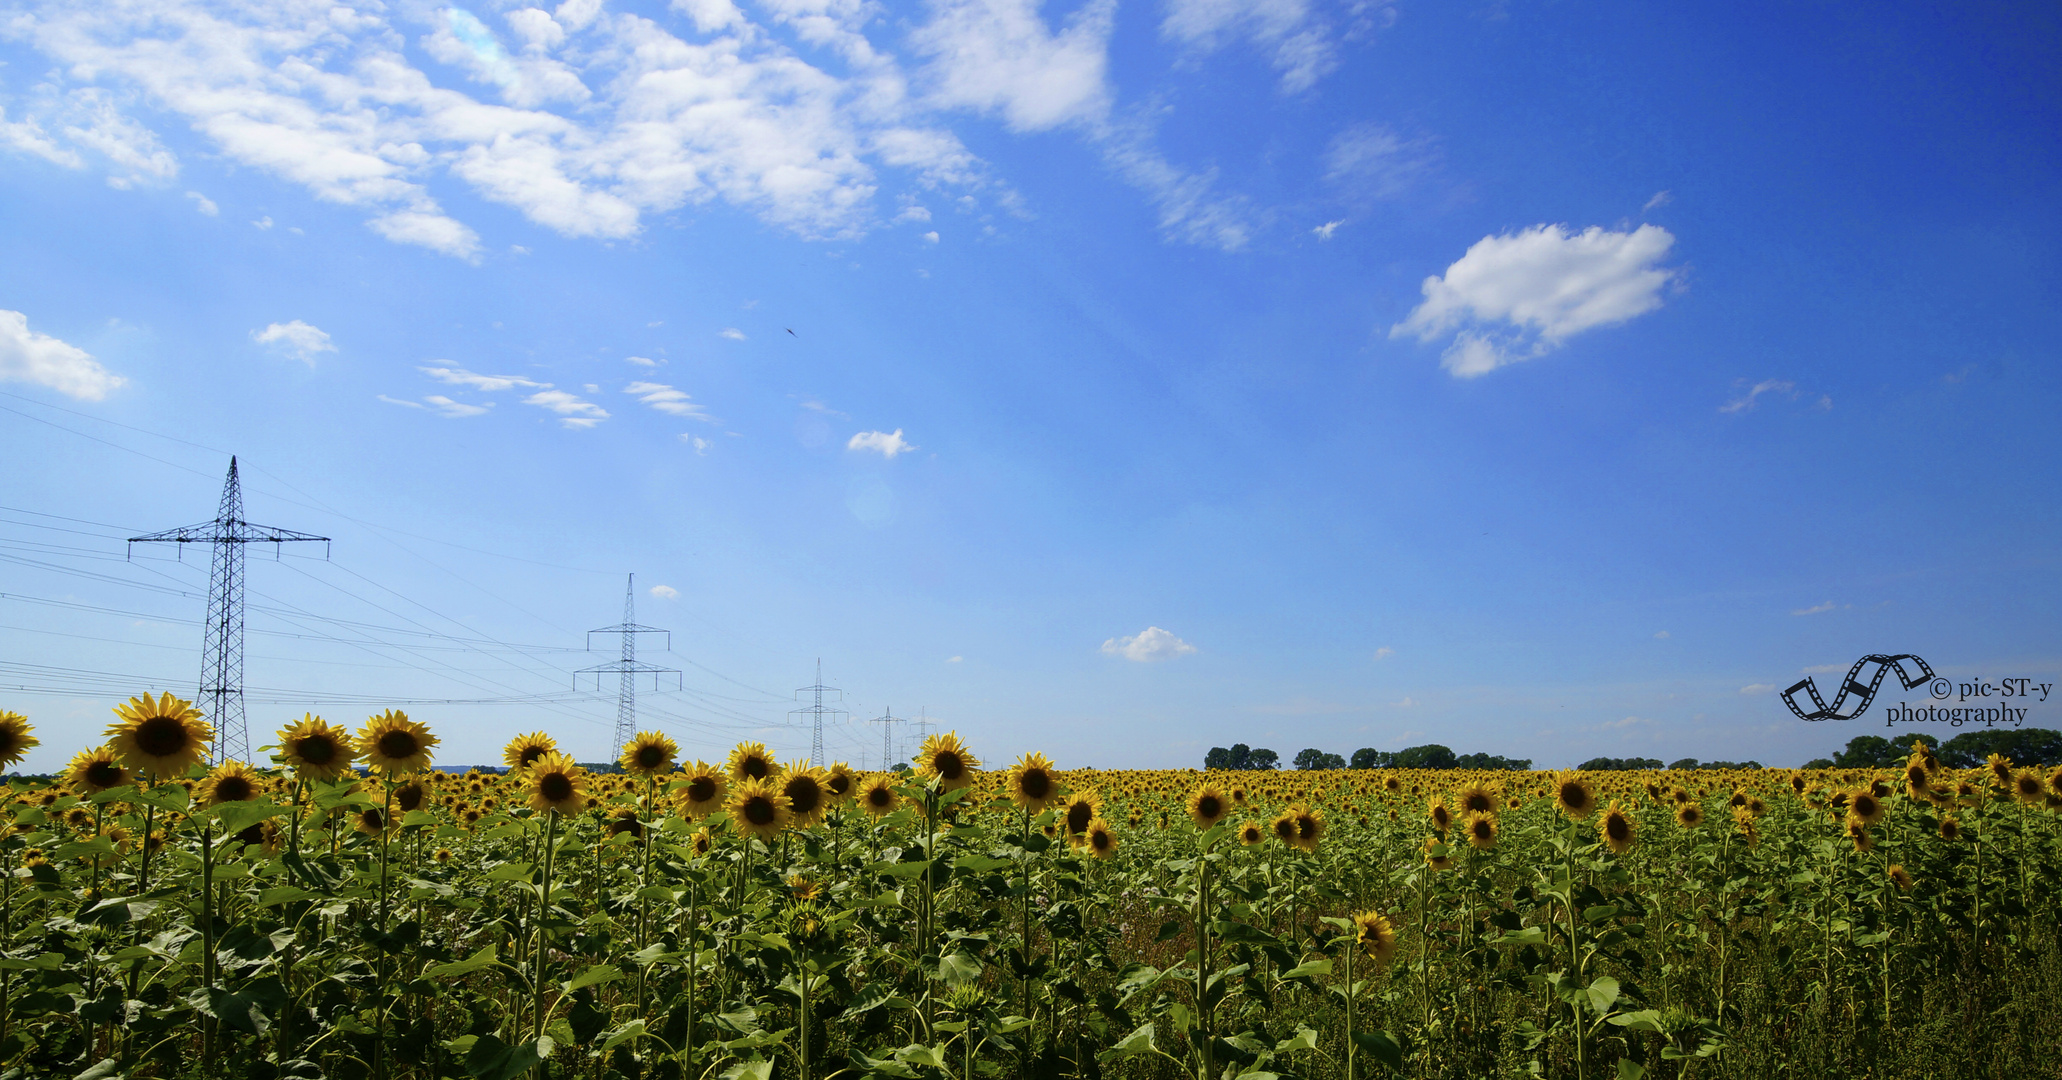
{"x":221,"y":658}
{"x":817,"y":711}
{"x":628,"y":668}
{"x":888,"y":719}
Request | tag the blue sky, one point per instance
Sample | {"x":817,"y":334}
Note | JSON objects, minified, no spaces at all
{"x":1113,"y":379}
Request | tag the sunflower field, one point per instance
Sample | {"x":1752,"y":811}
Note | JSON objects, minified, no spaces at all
{"x":344,"y":910}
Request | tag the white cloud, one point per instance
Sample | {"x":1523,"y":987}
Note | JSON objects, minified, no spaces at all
{"x":296,"y":339}
{"x":1325,"y":231}
{"x":441,"y":405}
{"x":667,"y":400}
{"x":1815,"y":609}
{"x":263,"y":222}
{"x":641,"y":361}
{"x":1822,"y":669}
{"x":701,"y":445}
{"x":1523,"y":294}
{"x":572,"y":410}
{"x":814,"y":405}
{"x":1661,"y":635}
{"x":998,"y":56}
{"x":1298,"y":44}
{"x":1660,"y":199}
{"x":665,"y":592}
{"x":887,"y":444}
{"x":33,"y":357}
{"x":1148,"y":645}
{"x":203,"y":204}
{"x":1384,"y":653}
{"x":731,"y":332}
{"x":1747,"y":400}
{"x":932,"y":236}
{"x":57,"y":127}
{"x":1621,"y":723}
{"x":955,"y":659}
{"x":491,"y":383}
{"x":1758,"y":688}
{"x":1367,"y":162}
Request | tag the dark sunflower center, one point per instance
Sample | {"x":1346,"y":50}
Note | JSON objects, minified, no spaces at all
{"x":104,"y":774}
{"x":398,"y":745}
{"x":804,"y":795}
{"x":9,"y":741}
{"x":1306,"y":827}
{"x":1618,"y":828}
{"x":253,"y":835}
{"x":1035,"y":784}
{"x":1078,"y":816}
{"x":1484,"y":830}
{"x":756,"y":767}
{"x":1285,"y":829}
{"x":701,"y":789}
{"x":950,"y":766}
{"x":233,"y":789}
{"x":879,"y":796}
{"x":530,"y":754}
{"x":650,"y":757}
{"x":1865,"y":805}
{"x":838,"y":784}
{"x":1101,"y":840}
{"x":162,"y":736}
{"x":555,"y":787}
{"x":1210,"y":806}
{"x":316,"y":749}
{"x":759,"y":810}
{"x":408,"y":797}
{"x":1478,"y":803}
{"x":1574,"y":795}
{"x":373,"y":817}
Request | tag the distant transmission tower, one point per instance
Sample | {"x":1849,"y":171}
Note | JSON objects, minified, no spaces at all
{"x":221,"y":657}
{"x":628,"y":668}
{"x":817,"y":711}
{"x":887,"y":720}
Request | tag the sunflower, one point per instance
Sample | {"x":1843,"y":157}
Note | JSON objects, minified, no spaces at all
{"x":877,"y":796}
{"x":1689,"y":815}
{"x":803,"y":887}
{"x":750,"y":761}
{"x":371,"y":820}
{"x":1284,"y":828}
{"x":161,"y":738}
{"x":945,"y":757}
{"x":1859,"y":833}
{"x":2055,"y":782}
{"x":1437,"y":855}
{"x":315,"y":750}
{"x":1950,"y":828}
{"x":1310,"y":828}
{"x":1441,"y":817}
{"x":555,"y":784}
{"x":623,"y":819}
{"x":802,"y":783}
{"x":1207,"y":805}
{"x":1480,"y":797}
{"x":1481,"y":830}
{"x":15,"y":739}
{"x":702,"y":795}
{"x":524,"y":749}
{"x":232,"y":781}
{"x":442,"y":855}
{"x":2028,"y":786}
{"x":649,"y":754}
{"x":1901,"y":877}
{"x":1374,"y":934}
{"x":759,"y":808}
{"x":96,"y":770}
{"x":702,"y":842}
{"x":1574,"y":796}
{"x":1865,"y":806}
{"x":840,"y":783}
{"x":1101,"y":841}
{"x":1918,"y":783}
{"x":1031,"y":783}
{"x":1250,"y":834}
{"x":410,"y":796}
{"x":1615,"y":828}
{"x":394,"y":744}
{"x":1080,"y":808}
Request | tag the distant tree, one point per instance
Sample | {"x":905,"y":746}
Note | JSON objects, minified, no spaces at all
{"x":1240,"y":757}
{"x":2025,"y":746}
{"x":1492,"y":761}
{"x":1731,"y":765}
{"x":1683,"y":763}
{"x":1429,"y":756}
{"x":1612,"y":764}
{"x":1263,"y":759}
{"x":1217,"y":758}
{"x":1819,"y":763}
{"x":1877,"y":752}
{"x":1367,"y":757}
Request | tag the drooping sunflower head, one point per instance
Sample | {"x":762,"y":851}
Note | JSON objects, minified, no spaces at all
{"x":371,"y":820}
{"x":1439,"y":814}
{"x":1481,"y":831}
{"x":750,"y":761}
{"x":1437,"y":855}
{"x":1251,"y":834}
{"x":231,"y":781}
{"x":1859,"y":833}
{"x":649,"y":754}
{"x":15,"y":740}
{"x":701,"y":794}
{"x":1797,"y":783}
{"x":759,"y":808}
{"x":1080,"y":808}
{"x":803,"y":784}
{"x":395,"y":745}
{"x":1615,"y":828}
{"x":840,"y":783}
{"x":524,"y":749}
{"x":1574,"y":795}
{"x":1031,"y":783}
{"x":1208,"y":805}
{"x":948,"y":760}
{"x":96,"y":770}
{"x":162,"y":737}
{"x":1480,"y":797}
{"x":2028,"y":786}
{"x":877,"y":796}
{"x":1101,"y":840}
{"x":1376,"y":937}
{"x":623,"y":821}
{"x":702,"y":842}
{"x":1865,"y":806}
{"x":316,"y":750}
{"x":1310,"y":828}
{"x":556,"y":784}
{"x":1901,"y":877}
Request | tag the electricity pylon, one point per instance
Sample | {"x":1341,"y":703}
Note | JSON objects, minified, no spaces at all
{"x":887,"y":719}
{"x":221,"y":657}
{"x":817,"y":711}
{"x":628,"y":668}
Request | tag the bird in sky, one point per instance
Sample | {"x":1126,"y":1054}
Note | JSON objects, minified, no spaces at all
{"x":790,"y":331}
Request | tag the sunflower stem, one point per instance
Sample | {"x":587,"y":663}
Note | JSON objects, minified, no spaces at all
{"x":543,"y":916}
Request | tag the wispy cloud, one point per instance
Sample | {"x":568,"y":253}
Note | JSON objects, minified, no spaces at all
{"x":441,"y":405}
{"x":1384,"y":653}
{"x":888,"y":444}
{"x":490,"y":383}
{"x":1660,"y":199}
{"x":1758,"y":688}
{"x":731,"y":332}
{"x":668,"y":400}
{"x":1148,"y":646}
{"x":296,"y":339}
{"x":204,"y":204}
{"x":573,"y":411}
{"x":1815,"y":609}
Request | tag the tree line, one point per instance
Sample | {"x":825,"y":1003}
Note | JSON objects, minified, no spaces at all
{"x":1429,"y":756}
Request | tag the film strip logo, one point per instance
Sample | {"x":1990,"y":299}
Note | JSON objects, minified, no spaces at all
{"x":1854,"y":688}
